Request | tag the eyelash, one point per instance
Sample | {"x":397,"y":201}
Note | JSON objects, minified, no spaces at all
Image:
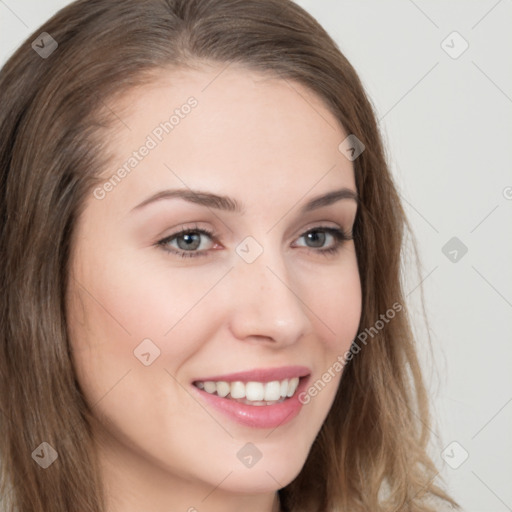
{"x":339,"y":235}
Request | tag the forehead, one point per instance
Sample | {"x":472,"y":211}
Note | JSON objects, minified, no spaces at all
{"x":227,"y":129}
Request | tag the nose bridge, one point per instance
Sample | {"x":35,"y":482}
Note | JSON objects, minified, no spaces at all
{"x":265,"y":303}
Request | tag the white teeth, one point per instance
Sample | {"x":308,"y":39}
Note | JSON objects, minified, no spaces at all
{"x":210,"y":387}
{"x":223,"y":388}
{"x":259,"y":393}
{"x":284,"y":388}
{"x":237,"y":389}
{"x":292,"y":386}
{"x":272,"y":391}
{"x":255,"y":391}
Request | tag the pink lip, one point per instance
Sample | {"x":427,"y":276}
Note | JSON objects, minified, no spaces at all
{"x":259,"y":416}
{"x":261,"y":375}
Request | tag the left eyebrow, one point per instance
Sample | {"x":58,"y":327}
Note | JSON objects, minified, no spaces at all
{"x":329,"y":198}
{"x":229,"y":204}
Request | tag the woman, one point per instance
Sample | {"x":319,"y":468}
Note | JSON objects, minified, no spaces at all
{"x":201,"y":248}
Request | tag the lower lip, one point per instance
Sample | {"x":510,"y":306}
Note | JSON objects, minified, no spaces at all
{"x":258,"y":416}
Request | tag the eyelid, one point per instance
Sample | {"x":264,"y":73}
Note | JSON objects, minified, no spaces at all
{"x":339,"y":234}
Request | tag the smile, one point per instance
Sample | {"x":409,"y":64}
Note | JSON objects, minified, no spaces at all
{"x":263,"y":398}
{"x":252,"y":393}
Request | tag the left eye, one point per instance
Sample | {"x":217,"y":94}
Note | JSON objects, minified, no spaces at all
{"x":189,"y":241}
{"x":318,"y":236}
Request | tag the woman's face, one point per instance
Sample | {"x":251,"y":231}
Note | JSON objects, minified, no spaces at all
{"x":155,"y":316}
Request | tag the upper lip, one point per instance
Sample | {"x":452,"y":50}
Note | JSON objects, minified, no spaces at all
{"x":260,"y":374}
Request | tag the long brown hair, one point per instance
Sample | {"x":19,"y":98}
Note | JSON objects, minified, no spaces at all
{"x":371,"y":452}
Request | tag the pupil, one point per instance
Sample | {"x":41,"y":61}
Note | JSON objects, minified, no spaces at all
{"x":317,"y":236}
{"x":190,"y":242}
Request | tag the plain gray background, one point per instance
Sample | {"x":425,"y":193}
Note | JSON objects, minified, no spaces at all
{"x":445,"y":113}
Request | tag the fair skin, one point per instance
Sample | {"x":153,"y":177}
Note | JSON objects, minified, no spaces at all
{"x":272,"y":147}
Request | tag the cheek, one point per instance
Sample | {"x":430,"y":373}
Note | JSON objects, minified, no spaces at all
{"x":122,"y":302}
{"x":337,"y":306}
{"x":140,"y":298}
{"x":108,"y":319}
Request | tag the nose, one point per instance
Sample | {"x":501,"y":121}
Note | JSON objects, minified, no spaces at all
{"x":266,"y":301}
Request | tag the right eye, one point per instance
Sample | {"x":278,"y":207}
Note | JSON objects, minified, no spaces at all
{"x":188,"y":241}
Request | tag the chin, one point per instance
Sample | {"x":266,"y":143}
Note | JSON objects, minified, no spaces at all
{"x":270,"y":473}
{"x":257,"y":481}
